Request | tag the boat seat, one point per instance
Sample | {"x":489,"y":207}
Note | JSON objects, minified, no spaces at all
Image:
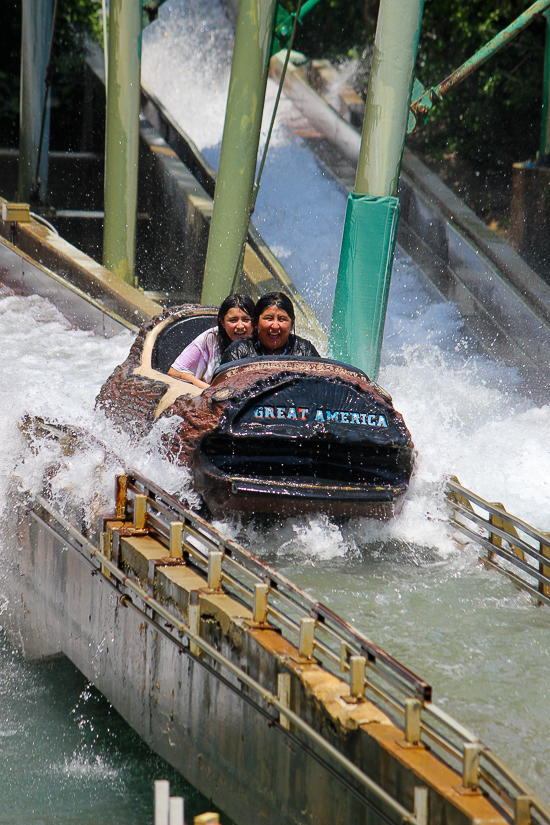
{"x":174,"y":338}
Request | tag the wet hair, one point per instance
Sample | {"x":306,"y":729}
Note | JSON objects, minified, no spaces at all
{"x":235,"y":301}
{"x":274,"y":299}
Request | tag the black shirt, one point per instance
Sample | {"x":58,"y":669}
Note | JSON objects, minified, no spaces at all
{"x":252,"y":348}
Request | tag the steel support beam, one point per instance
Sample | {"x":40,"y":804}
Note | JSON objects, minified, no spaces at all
{"x":373,"y":208}
{"x":239,"y":151}
{"x":122,"y":138}
{"x":36,"y":32}
{"x":545,"y":130}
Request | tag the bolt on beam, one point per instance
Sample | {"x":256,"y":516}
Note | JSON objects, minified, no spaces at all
{"x":470,"y":768}
{"x":357,"y":676}
{"x":260,"y":603}
{"x":307,"y":637}
{"x":215,"y":570}
{"x":140,"y":511}
{"x":413,"y":710}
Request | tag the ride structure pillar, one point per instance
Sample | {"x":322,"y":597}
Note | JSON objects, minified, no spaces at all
{"x":122,"y":137}
{"x":34,"y":140}
{"x":372,"y":212}
{"x":239,"y":150}
{"x":545,"y":129}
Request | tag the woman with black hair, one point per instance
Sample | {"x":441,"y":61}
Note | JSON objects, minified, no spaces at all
{"x":273,"y":332}
{"x":200,"y":358}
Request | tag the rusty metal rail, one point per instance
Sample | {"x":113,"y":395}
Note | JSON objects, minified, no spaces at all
{"x":317,"y":632}
{"x":133,"y":596}
{"x":321,"y":634}
{"x":510,"y":545}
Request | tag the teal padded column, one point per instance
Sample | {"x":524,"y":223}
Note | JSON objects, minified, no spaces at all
{"x":363,"y":285}
{"x":368,"y":243}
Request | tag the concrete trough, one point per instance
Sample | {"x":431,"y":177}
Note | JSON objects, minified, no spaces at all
{"x":157,"y":626}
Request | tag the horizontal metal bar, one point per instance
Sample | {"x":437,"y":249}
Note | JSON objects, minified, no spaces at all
{"x":494,"y":548}
{"x":342,"y":633}
{"x":303,"y":605}
{"x":293,"y":595}
{"x":285,"y":589}
{"x":519,"y":785}
{"x":540,"y":597}
{"x":125,"y":582}
{"x":503,"y":534}
{"x":491,"y":528}
{"x":490,"y":508}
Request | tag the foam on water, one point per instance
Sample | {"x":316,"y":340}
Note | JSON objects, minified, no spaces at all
{"x":67,"y":756}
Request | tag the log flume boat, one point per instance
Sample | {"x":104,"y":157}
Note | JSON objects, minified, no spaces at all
{"x":277,"y":435}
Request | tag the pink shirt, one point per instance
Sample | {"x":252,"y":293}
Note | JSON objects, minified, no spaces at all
{"x":201,"y":356}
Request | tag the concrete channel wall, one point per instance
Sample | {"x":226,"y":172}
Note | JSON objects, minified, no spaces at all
{"x":34,"y":260}
{"x":211,"y":727}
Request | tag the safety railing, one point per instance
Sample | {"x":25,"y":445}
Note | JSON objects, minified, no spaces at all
{"x":318,"y":633}
{"x":314,"y":629}
{"x":510,"y":545}
{"x":186,"y":636}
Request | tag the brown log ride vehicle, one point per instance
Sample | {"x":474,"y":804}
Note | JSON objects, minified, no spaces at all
{"x":270,"y":435}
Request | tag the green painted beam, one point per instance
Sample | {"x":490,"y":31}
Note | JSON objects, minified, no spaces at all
{"x":368,"y":243}
{"x":35,"y":47}
{"x":421,"y":106}
{"x":122,"y":138}
{"x":239,"y":151}
{"x":545,"y":129}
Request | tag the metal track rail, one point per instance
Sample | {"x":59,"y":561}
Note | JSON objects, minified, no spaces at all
{"x":133,"y":596}
{"x":511,"y":545}
{"x":317,"y":632}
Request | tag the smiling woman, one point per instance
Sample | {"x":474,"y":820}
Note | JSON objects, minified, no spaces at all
{"x":273,"y":332}
{"x":198,"y":361}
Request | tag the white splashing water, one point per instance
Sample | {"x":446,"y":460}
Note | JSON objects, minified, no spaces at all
{"x":404,"y":582}
{"x":186,"y":64}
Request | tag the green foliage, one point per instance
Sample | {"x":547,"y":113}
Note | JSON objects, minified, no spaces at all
{"x":333,"y":27}
{"x":10,"y":58}
{"x":75,"y":20}
{"x":493,"y":117}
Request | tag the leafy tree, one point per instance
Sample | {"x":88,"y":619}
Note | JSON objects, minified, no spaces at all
{"x":493,"y":118}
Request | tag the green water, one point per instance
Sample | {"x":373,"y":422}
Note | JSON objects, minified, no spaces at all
{"x":68,"y":758}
